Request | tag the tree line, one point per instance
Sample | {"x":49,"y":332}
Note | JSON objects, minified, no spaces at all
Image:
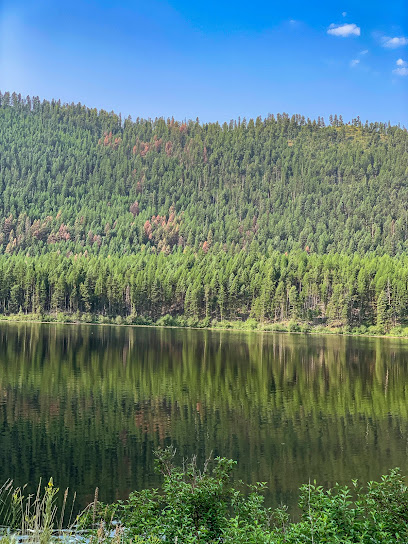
{"x":200,"y":287}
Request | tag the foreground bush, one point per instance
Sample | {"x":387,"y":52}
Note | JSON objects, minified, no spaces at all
{"x":203,"y":506}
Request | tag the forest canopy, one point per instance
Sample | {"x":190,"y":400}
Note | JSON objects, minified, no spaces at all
{"x":275,"y":219}
{"x":76,"y":179}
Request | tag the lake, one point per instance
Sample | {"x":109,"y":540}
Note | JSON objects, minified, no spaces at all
{"x":88,"y":405}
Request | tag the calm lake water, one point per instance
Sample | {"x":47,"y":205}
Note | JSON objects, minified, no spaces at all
{"x":88,"y":405}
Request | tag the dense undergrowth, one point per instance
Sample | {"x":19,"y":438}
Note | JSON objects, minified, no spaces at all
{"x":205,"y":506}
{"x":167,"y":320}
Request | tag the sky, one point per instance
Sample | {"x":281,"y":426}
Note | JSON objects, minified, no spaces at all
{"x":215,"y":60}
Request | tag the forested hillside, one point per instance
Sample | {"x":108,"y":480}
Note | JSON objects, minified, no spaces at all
{"x":276,"y":219}
{"x":75,"y":179}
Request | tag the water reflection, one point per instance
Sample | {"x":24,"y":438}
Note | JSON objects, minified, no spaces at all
{"x":88,"y":405}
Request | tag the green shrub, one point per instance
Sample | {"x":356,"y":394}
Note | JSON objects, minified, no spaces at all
{"x":203,"y":507}
{"x":141,"y":320}
{"x":222,"y":324}
{"x":306,"y":328}
{"x":193,"y":506}
{"x":76,"y":317}
{"x":375,"y":330}
{"x":205,"y":323}
{"x":278,"y":327}
{"x":196,"y":506}
{"x":180,"y":321}
{"x":103,"y":319}
{"x":192,"y":322}
{"x":396,"y":331}
{"x":250,"y":324}
{"x":350,"y":515}
{"x":293,"y":327}
{"x":166,"y":321}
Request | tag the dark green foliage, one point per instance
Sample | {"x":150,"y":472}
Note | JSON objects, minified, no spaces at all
{"x":188,"y":288}
{"x":347,"y":515}
{"x":74,"y":179}
{"x":203,"y":507}
{"x":193,"y":505}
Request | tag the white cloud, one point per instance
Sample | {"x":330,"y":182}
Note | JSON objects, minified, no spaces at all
{"x":344,"y":31}
{"x":354,"y":62}
{"x":393,"y":43}
{"x":364,"y":52}
{"x":403,"y":71}
{"x":344,"y":13}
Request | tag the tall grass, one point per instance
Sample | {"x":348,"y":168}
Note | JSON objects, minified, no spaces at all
{"x":34,"y":518}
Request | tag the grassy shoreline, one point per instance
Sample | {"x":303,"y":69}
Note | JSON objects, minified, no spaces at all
{"x":249,"y":325}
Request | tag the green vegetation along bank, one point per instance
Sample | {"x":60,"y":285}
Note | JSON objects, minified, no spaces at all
{"x":197,"y":506}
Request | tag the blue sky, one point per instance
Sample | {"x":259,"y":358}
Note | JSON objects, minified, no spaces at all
{"x":215,"y":60}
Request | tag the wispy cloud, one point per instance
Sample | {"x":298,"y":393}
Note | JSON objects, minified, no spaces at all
{"x":363,"y":52}
{"x":401,"y":71}
{"x":344,"y":31}
{"x":402,"y":68}
{"x":354,"y":62}
{"x":393,"y":43}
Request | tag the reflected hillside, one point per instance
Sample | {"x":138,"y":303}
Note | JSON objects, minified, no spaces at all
{"x":89,"y":404}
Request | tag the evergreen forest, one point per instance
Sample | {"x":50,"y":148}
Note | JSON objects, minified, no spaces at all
{"x":182,"y":222}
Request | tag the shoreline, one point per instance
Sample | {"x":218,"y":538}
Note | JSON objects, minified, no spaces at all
{"x":281,"y":327}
